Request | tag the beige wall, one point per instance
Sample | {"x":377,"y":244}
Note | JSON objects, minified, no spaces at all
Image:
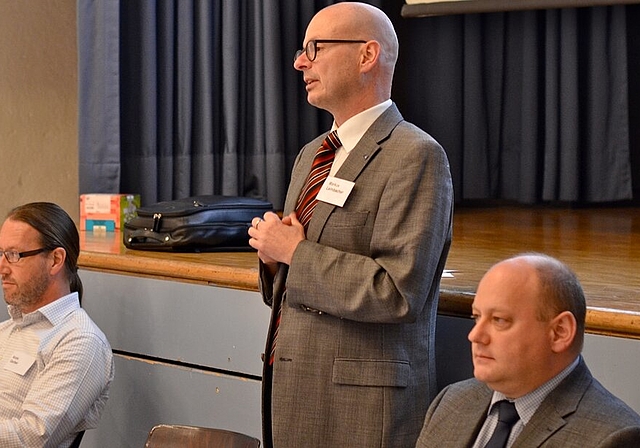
{"x":38,"y":104}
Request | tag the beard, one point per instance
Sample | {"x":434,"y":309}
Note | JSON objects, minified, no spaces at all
{"x":30,"y":293}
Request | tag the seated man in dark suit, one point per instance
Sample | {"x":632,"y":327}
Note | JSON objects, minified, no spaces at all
{"x":529,"y":314}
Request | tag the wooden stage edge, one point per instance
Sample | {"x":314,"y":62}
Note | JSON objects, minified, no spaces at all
{"x":602,"y":245}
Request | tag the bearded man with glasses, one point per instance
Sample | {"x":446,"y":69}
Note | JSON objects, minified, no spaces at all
{"x":56,"y":365}
{"x":352,"y":270}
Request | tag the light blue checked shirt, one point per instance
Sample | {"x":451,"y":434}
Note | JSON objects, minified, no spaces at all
{"x":56,"y":367}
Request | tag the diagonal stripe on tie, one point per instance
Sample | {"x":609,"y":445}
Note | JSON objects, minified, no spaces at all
{"x":319,"y":172}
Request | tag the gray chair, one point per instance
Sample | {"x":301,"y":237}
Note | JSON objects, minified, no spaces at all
{"x":182,"y":436}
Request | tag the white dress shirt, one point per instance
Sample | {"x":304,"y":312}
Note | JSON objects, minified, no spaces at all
{"x":352,"y":131}
{"x":56,"y":367}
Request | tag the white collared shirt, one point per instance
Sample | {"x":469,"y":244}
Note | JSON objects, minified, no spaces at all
{"x":352,"y":131}
{"x":56,"y":367}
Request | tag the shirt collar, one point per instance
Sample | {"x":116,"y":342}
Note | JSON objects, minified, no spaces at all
{"x":354,"y":128}
{"x":528,"y":404}
{"x":54,"y":312}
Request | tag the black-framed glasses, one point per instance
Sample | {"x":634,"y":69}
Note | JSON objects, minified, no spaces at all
{"x":311,"y":49}
{"x":13,"y":256}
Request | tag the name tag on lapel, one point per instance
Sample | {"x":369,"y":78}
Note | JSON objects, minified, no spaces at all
{"x":335,"y":191}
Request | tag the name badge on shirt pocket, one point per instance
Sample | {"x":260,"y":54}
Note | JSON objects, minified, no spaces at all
{"x":335,"y":191}
{"x":20,"y":362}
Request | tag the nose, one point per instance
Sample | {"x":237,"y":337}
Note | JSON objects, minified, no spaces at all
{"x":477,"y":333}
{"x":4,"y":264}
{"x":301,"y":62}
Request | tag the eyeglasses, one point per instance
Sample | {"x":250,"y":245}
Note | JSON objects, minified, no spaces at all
{"x":13,"y":257}
{"x":311,"y":49}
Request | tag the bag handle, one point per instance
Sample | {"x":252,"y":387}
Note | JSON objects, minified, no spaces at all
{"x":141,"y":236}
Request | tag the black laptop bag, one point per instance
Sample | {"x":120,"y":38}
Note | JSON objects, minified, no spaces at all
{"x":195,"y":224}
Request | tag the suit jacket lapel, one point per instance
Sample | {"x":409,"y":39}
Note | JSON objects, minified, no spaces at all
{"x":369,"y":144}
{"x":562,"y":401}
{"x":473,"y":409}
{"x":358,"y":159}
{"x":456,"y":415}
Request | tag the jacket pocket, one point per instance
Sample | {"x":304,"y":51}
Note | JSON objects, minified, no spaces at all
{"x":371,"y":372}
{"x":341,"y":218}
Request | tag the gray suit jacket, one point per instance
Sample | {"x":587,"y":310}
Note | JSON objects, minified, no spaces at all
{"x":355,"y":354}
{"x":579,"y":413}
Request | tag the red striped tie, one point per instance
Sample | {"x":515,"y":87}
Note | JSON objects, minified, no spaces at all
{"x":307,"y":202}
{"x":318,"y":174}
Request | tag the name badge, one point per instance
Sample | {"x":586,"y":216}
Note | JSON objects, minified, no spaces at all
{"x":335,"y":191}
{"x":20,"y":362}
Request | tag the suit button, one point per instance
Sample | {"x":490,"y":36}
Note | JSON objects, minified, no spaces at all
{"x":311,"y":310}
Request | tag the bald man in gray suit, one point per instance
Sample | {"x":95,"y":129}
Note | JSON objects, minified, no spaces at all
{"x":526,"y":343}
{"x":355,"y":289}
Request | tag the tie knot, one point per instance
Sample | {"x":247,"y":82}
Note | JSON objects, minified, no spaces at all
{"x":507,"y":412}
{"x":332,"y":141}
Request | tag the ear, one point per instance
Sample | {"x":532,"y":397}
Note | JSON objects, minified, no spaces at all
{"x":58,"y":256}
{"x":369,"y":55}
{"x":563,"y":329}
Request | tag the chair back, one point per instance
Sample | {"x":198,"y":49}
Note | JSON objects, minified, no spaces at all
{"x":77,"y":440}
{"x":182,"y":436}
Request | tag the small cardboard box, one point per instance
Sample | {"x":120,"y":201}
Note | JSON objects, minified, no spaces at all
{"x":107,"y":212}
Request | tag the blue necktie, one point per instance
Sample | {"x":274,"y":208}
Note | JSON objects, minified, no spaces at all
{"x":507,"y":416}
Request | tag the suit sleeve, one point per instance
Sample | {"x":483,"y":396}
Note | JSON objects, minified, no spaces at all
{"x":266,"y":284}
{"x":624,"y":438}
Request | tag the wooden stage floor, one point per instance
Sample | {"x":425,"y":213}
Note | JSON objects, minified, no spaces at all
{"x":601,"y":245}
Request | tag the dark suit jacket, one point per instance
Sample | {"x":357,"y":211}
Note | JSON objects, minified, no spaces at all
{"x":355,"y":354}
{"x":579,"y":413}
